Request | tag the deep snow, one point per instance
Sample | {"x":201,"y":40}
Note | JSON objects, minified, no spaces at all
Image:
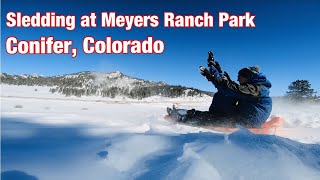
{"x":48,"y":136}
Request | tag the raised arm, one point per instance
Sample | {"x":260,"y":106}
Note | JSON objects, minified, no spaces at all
{"x":231,"y":88}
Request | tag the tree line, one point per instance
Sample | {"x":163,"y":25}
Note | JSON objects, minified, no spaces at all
{"x":82,"y":85}
{"x":78,"y":84}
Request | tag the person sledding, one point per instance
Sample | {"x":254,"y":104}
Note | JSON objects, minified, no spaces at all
{"x":247,"y":104}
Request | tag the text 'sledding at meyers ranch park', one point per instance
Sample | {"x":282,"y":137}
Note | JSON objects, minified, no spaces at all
{"x":108,"y":45}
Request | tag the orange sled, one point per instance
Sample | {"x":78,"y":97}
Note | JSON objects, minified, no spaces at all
{"x":269,"y":127}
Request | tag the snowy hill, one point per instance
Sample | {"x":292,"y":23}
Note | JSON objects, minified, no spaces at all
{"x":103,"y":84}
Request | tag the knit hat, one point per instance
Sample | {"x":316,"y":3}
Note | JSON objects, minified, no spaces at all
{"x":249,"y":72}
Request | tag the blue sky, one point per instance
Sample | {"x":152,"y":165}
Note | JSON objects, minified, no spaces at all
{"x":285,"y":42}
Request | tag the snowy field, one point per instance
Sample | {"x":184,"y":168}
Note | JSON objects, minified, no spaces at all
{"x":49,"y":136}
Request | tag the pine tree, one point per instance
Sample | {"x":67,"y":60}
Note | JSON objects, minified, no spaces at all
{"x":301,"y":90}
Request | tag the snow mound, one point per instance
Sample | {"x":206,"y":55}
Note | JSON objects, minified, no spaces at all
{"x":131,"y":151}
{"x":150,"y":155}
{"x":242,"y":155}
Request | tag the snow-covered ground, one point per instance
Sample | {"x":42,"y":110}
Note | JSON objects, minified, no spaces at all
{"x":50,"y":136}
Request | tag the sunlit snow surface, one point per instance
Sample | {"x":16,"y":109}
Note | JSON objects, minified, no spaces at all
{"x":47,"y":136}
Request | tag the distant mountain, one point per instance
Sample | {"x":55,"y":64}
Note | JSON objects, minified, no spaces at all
{"x":103,"y":84}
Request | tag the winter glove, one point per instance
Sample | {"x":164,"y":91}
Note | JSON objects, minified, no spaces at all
{"x":205,"y":72}
{"x":212,"y":62}
{"x":210,"y":56}
{"x":210,"y":59}
{"x":217,"y":66}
